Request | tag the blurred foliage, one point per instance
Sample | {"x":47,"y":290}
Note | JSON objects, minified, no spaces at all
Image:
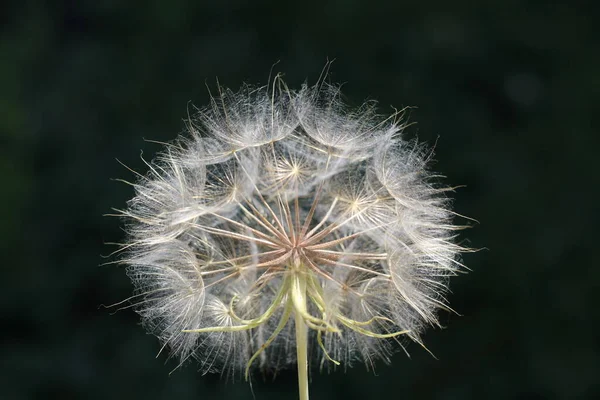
{"x":507,"y":90}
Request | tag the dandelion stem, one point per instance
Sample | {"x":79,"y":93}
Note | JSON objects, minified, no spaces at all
{"x":302,"y":350}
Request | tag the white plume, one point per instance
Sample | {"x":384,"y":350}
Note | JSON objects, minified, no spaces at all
{"x":280,"y":203}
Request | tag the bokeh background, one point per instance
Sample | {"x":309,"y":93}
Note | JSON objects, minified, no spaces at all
{"x":508,"y":91}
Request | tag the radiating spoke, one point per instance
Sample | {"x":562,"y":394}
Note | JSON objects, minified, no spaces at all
{"x":224,"y":278}
{"x":343,"y":254}
{"x":279,"y":261}
{"x":311,"y":211}
{"x":323,"y":220}
{"x":284,"y":209}
{"x":235,"y":235}
{"x":324,"y":245}
{"x":246,"y":227}
{"x":259,"y":218}
{"x":330,"y":278}
{"x":275,"y":262}
{"x":355,"y":267}
{"x":233,"y":260}
{"x":297,"y":214}
{"x":259,"y":194}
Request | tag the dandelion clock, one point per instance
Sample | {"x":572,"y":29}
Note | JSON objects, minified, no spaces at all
{"x":285,"y":230}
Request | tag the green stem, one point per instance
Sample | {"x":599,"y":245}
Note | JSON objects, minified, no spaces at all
{"x":298,"y":294}
{"x":302,"y":356}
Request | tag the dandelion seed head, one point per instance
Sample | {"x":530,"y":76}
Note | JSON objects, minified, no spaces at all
{"x":278,"y":203}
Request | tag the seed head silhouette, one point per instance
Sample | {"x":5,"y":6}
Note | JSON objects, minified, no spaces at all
{"x":284,"y":227}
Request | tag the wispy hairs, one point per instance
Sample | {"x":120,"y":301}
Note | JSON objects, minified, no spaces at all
{"x":284,"y":227}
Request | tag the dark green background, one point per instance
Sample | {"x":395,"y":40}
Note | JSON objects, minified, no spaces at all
{"x":511,"y":88}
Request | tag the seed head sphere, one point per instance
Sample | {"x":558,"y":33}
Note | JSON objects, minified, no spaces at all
{"x":284,"y":227}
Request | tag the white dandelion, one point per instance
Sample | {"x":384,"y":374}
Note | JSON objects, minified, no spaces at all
{"x":283,"y":229}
